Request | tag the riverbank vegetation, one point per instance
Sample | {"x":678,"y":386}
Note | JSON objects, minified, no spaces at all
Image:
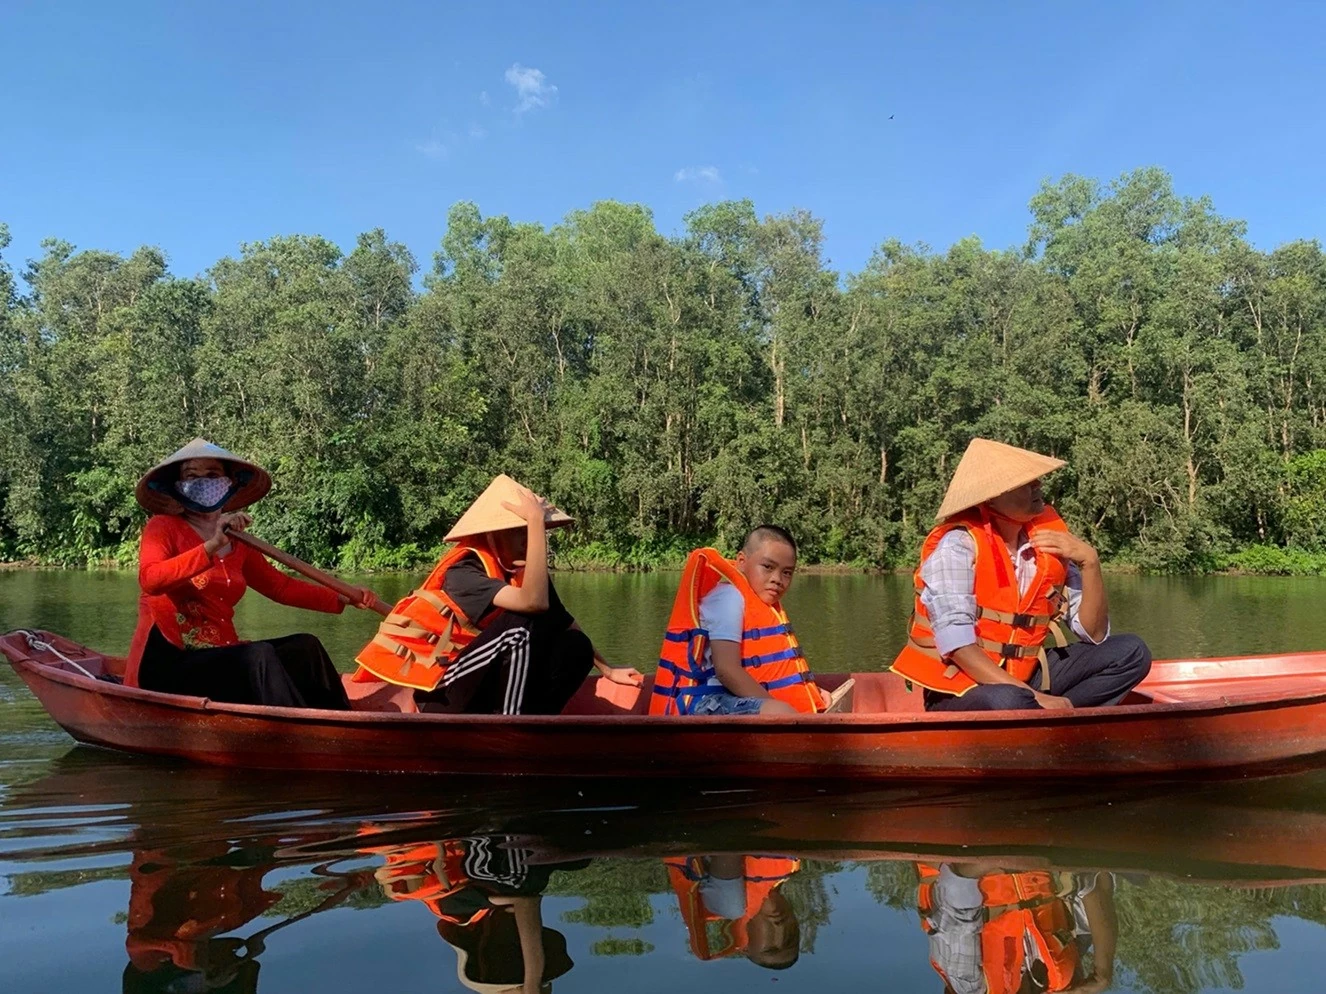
{"x":668,"y":390}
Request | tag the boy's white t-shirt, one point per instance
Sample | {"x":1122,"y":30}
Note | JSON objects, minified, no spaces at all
{"x":721,"y":614}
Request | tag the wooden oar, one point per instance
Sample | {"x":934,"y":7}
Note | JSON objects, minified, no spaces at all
{"x":255,"y":944}
{"x":312,"y":572}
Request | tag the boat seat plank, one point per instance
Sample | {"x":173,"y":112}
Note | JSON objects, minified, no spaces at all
{"x":1245,"y":687}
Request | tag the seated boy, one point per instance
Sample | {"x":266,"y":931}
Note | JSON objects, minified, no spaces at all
{"x":729,"y":648}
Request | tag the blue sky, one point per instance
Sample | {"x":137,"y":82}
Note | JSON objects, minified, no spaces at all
{"x":198,"y":126}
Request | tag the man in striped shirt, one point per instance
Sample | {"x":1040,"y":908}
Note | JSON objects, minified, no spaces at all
{"x":979,"y":639}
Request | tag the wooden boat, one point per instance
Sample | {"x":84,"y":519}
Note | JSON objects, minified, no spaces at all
{"x":1193,"y":716}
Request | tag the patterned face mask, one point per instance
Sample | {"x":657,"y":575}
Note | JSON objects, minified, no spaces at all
{"x":206,"y":493}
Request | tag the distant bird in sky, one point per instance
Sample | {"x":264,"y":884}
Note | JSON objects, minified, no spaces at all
{"x":890,"y":117}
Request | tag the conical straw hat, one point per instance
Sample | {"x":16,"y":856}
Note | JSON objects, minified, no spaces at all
{"x":988,"y":469}
{"x":156,"y":490}
{"x":487,"y":514}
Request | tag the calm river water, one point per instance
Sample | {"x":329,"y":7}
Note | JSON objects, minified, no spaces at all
{"x":124,"y":874}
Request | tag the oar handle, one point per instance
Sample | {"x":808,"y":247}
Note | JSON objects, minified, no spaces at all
{"x":312,"y":572}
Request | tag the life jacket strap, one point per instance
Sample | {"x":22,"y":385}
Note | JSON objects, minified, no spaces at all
{"x":1017,"y":619}
{"x":926,"y":647}
{"x":407,"y":656}
{"x":989,"y":913}
{"x":428,"y":597}
{"x":760,"y":633}
{"x":1007,"y":650}
{"x":1058,"y":636}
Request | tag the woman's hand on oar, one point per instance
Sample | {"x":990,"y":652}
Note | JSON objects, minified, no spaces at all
{"x":365,"y":601}
{"x":222,"y":526}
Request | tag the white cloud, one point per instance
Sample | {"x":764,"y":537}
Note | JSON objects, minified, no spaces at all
{"x":531,"y":86}
{"x":484,"y":99}
{"x":477,"y":133}
{"x":698,"y":174}
{"x":433,"y":149}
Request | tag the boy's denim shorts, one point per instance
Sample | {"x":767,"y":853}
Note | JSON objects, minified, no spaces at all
{"x":727,"y":704}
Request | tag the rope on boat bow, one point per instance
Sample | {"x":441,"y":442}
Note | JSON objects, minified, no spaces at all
{"x":38,"y":644}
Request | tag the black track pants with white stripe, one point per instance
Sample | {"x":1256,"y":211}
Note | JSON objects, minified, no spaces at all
{"x":515,"y":666}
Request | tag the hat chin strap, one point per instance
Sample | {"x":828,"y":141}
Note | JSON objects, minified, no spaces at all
{"x":991,"y":514}
{"x":513,"y":567}
{"x":988,"y":517}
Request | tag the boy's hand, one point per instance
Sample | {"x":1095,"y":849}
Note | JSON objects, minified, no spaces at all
{"x":628,"y":676}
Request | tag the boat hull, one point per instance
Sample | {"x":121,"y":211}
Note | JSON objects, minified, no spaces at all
{"x":1227,"y":733}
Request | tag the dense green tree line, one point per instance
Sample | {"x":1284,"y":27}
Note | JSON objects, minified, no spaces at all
{"x":669,"y":389}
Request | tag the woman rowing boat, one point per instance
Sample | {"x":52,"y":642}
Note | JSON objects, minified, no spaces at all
{"x":191,"y":576}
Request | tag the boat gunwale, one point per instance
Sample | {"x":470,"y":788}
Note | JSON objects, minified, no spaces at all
{"x":882,"y":722}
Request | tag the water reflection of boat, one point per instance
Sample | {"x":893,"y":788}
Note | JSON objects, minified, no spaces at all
{"x":1189,"y":716}
{"x":1261,"y":831}
{"x":212,"y":849}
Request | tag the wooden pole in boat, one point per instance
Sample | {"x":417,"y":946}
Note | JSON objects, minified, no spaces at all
{"x":312,"y":572}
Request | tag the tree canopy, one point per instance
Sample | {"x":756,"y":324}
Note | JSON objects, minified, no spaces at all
{"x":667,"y":390}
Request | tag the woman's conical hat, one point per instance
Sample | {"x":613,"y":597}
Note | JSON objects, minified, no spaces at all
{"x":487,"y":514}
{"x":988,"y":469}
{"x":156,"y":490}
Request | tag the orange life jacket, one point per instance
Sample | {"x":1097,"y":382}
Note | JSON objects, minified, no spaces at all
{"x":769,"y":649}
{"x":762,"y":875}
{"x":1015,"y":906}
{"x":1012,"y":628}
{"x":438,"y":868}
{"x":426,"y":630}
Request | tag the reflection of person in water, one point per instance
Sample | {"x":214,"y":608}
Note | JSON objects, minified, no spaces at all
{"x":998,"y":932}
{"x":176,"y":913}
{"x":180,"y":910}
{"x":488,"y":901}
{"x":738,"y":901}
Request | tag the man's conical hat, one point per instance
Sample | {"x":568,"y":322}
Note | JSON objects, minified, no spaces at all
{"x":487,"y":514}
{"x":156,"y":490}
{"x":988,"y":469}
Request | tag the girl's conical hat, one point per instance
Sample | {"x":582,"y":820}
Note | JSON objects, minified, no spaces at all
{"x":988,"y":469}
{"x":156,"y":490}
{"x":487,"y":514}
